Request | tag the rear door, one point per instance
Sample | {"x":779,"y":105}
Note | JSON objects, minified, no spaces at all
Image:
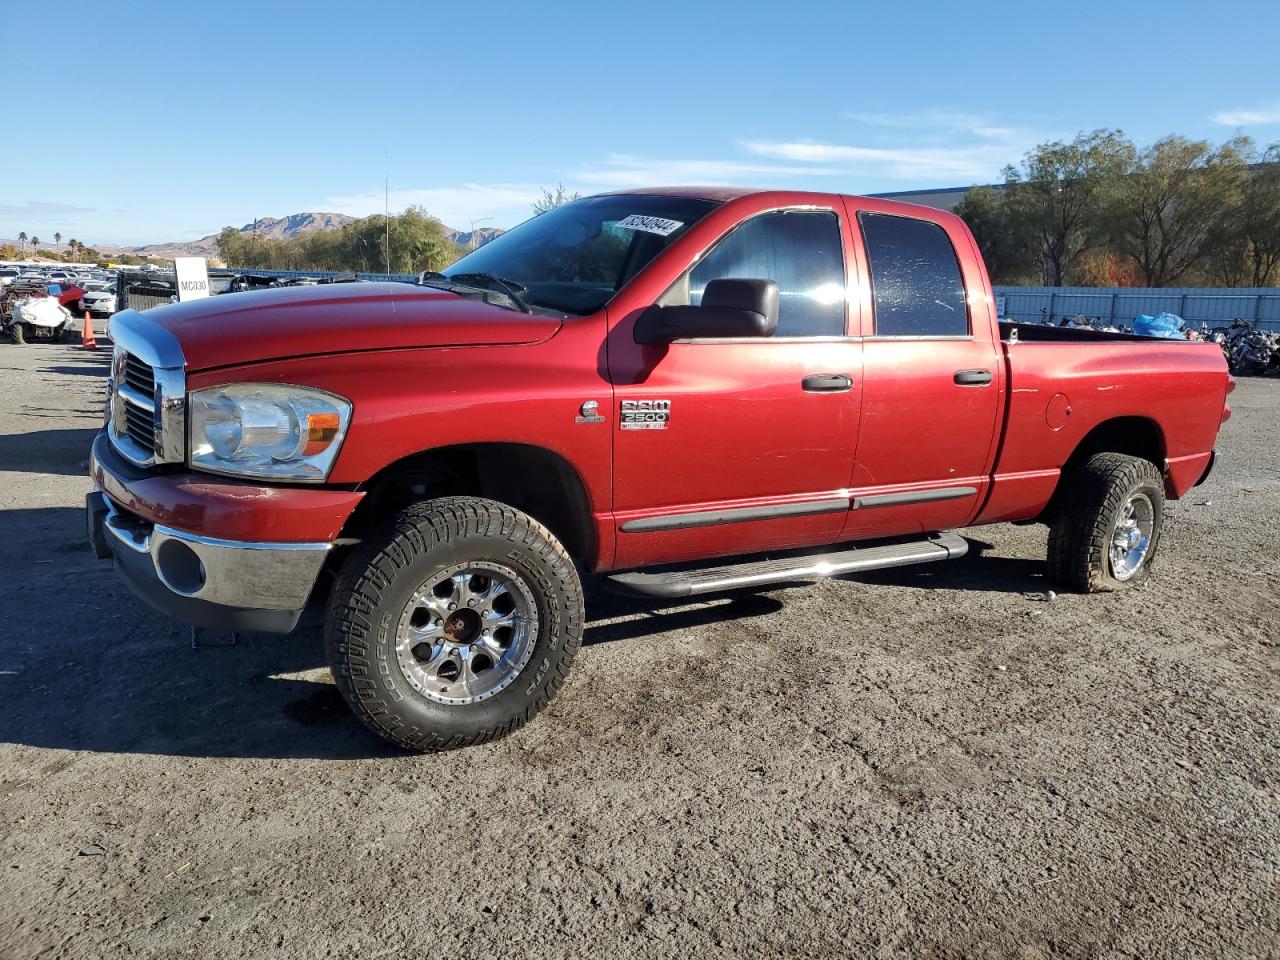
{"x":734,"y":446}
{"x":931,"y":378}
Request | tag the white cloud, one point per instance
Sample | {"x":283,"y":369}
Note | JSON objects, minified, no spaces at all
{"x":959,"y":162}
{"x":934,"y":123}
{"x":41,"y":208}
{"x":933,"y":148}
{"x":1246,"y":117}
{"x":499,"y":204}
{"x":626,"y":170}
{"x":936,"y":145}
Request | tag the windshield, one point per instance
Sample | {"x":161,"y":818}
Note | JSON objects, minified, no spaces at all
{"x":576,"y":257}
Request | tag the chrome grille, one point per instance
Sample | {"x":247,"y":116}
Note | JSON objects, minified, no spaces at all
{"x":139,"y":375}
{"x":147,"y":414}
{"x":139,"y":420}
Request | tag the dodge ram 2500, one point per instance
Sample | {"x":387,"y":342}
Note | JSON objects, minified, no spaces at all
{"x":683,"y":390}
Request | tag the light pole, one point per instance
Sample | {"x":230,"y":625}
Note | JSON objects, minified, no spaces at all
{"x":471,"y":238}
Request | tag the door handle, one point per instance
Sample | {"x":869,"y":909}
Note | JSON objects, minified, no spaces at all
{"x":973,"y":378}
{"x":827,"y":383}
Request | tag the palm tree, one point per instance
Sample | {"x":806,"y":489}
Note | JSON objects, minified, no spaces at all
{"x":74,"y":245}
{"x":22,"y":240}
{"x":35,"y":244}
{"x":57,"y":239}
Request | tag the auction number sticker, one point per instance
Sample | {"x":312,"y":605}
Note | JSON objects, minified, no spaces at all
{"x":658,"y":225}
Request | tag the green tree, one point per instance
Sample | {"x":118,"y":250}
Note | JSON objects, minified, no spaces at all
{"x":22,"y":240}
{"x":1007,"y":248}
{"x":1165,"y":212}
{"x":551,"y":199}
{"x":1055,"y":196}
{"x":35,"y":244}
{"x":418,"y":241}
{"x":57,"y":239}
{"x":1260,"y":218}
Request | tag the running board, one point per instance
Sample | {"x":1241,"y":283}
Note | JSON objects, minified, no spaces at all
{"x":813,"y":566}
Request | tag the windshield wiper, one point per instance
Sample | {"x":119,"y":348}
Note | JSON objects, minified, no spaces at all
{"x":512,"y":289}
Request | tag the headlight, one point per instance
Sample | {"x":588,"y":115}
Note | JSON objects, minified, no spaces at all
{"x":267,"y":430}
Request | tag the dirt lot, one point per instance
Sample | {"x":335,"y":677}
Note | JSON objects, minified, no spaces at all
{"x":927,"y":763}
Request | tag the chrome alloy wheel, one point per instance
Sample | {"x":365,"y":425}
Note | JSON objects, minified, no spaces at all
{"x":466,"y":633}
{"x":1131,"y":538}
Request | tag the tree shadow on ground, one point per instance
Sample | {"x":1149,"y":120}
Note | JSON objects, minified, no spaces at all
{"x":63,"y":452}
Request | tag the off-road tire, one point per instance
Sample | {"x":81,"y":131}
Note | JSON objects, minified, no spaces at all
{"x":1080,"y":531}
{"x":378,"y":580}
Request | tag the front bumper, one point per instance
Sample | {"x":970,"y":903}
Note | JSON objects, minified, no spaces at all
{"x":224,"y":584}
{"x":224,"y":577}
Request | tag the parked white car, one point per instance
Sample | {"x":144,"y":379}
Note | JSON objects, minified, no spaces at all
{"x":8,"y":275}
{"x":99,"y":298}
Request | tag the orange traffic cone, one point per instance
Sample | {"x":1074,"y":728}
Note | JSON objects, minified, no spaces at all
{"x":86,"y":339}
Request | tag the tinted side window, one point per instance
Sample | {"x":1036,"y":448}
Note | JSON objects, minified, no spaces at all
{"x":801,"y":252}
{"x":915,"y":278}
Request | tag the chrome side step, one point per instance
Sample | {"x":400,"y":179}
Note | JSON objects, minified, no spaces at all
{"x":814,"y":566}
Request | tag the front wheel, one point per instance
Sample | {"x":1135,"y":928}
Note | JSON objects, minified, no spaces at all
{"x":1107,"y":527}
{"x":454,"y":626}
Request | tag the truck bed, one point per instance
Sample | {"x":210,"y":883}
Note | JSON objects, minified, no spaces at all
{"x":1163,"y":399}
{"x":1040,"y":332}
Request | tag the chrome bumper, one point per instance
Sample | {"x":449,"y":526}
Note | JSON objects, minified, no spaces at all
{"x":230,"y":584}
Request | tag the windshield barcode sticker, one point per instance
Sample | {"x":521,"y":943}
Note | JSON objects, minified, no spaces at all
{"x":663,"y":228}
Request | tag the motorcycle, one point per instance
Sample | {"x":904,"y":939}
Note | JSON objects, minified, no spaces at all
{"x":1251,"y":351}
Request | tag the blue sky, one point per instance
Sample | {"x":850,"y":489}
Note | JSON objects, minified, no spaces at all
{"x":167,"y":121}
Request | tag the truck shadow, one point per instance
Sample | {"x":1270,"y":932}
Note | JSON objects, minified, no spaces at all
{"x":84,"y":666}
{"x":612,"y":618}
{"x":975,"y":571}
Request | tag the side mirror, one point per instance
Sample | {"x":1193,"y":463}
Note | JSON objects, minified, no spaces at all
{"x":730,"y":308}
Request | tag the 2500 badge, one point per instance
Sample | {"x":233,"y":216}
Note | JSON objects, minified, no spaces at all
{"x":645,"y":414}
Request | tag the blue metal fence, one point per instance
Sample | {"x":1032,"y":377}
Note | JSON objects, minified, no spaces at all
{"x":1211,"y":306}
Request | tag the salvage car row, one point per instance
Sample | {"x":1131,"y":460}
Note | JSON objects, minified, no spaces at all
{"x":44,"y":302}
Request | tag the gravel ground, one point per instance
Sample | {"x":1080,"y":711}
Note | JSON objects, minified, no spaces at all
{"x":931,"y":763}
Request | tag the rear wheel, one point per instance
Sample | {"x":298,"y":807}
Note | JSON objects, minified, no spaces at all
{"x":1107,"y":527}
{"x":455,"y":625}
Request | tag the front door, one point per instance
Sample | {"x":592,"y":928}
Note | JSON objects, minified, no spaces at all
{"x":734,"y":446}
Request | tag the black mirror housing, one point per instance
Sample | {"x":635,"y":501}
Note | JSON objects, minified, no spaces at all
{"x":730,"y":308}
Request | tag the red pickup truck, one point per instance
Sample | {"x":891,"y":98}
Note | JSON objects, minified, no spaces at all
{"x":637,"y":384}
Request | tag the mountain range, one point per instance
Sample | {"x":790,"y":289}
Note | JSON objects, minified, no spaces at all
{"x":285,"y":228}
{"x":274,"y":228}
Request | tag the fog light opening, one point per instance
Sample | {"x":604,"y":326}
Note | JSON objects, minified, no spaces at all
{"x":180,"y":568}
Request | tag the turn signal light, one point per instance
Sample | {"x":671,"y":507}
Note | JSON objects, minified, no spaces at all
{"x":321,"y":429}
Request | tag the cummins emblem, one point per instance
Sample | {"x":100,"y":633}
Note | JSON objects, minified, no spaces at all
{"x":589,"y":412}
{"x":645,"y":414}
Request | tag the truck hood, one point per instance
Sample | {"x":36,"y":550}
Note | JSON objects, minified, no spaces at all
{"x":242,"y":328}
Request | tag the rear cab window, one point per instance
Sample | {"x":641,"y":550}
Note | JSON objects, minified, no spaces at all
{"x":916,"y":286}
